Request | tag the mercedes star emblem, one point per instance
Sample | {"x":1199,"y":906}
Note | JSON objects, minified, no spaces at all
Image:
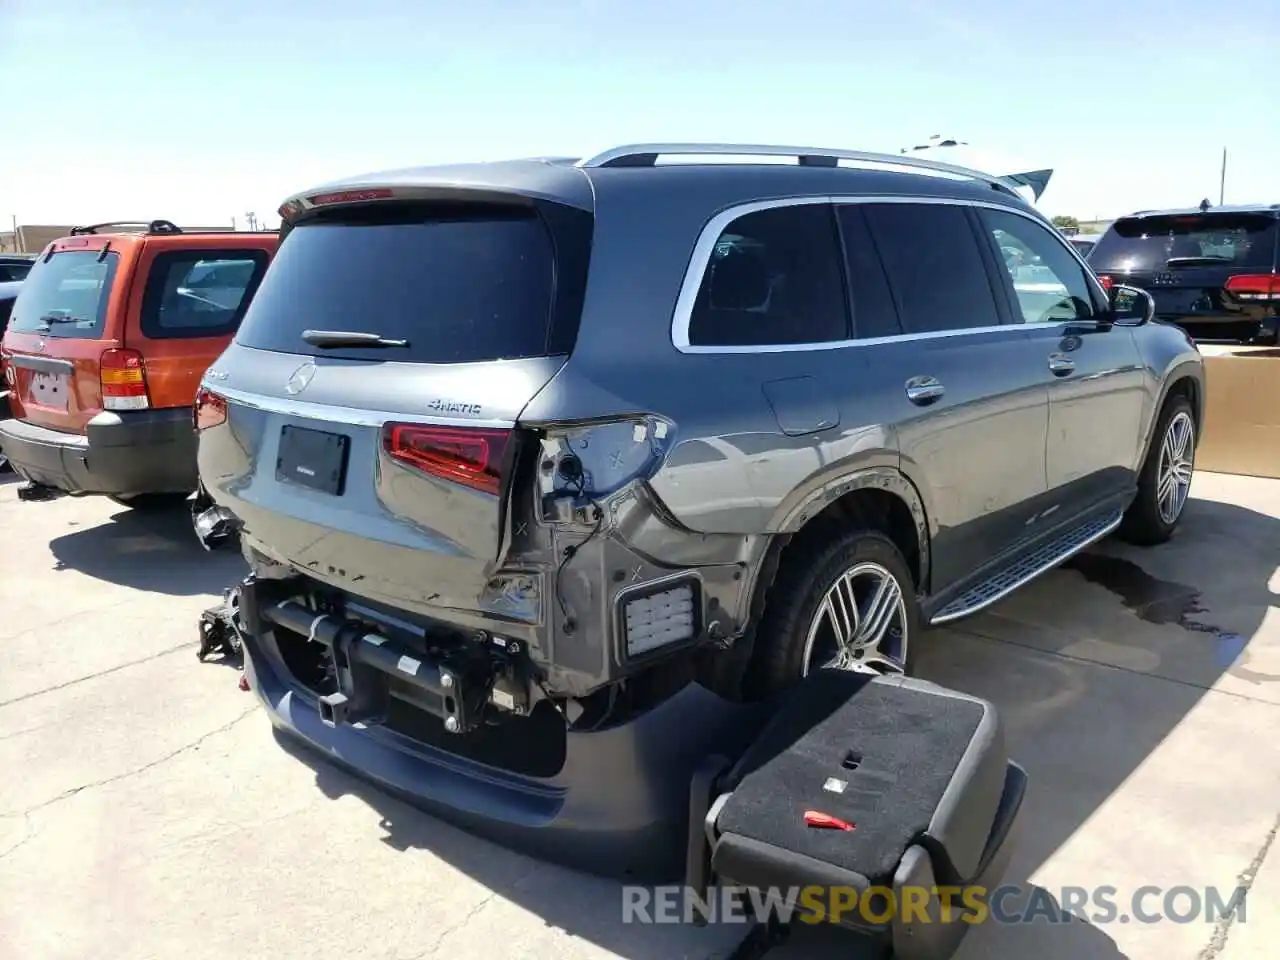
{"x":301,"y":377}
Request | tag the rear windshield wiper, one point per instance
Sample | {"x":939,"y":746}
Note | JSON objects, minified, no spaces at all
{"x":349,"y":338}
{"x":48,"y":320}
{"x":1196,"y":261}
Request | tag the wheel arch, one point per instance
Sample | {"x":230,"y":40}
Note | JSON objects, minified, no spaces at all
{"x":882,"y":498}
{"x":1186,"y":379}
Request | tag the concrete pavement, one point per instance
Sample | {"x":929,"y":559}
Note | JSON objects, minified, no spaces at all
{"x":147,"y":811}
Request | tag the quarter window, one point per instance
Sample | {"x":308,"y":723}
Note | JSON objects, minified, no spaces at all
{"x":200,"y":294}
{"x":935,"y":267}
{"x":774,"y":278}
{"x":1047,"y":282}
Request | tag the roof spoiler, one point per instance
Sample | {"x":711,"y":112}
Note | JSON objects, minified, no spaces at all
{"x":1037,"y":180}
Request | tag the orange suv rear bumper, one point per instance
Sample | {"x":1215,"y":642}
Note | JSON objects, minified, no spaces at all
{"x":121,"y":454}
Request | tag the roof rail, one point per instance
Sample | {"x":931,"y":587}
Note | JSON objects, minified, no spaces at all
{"x":646,"y":155}
{"x":152,"y":227}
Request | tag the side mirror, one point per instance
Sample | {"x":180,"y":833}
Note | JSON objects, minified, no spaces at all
{"x":1131,"y":306}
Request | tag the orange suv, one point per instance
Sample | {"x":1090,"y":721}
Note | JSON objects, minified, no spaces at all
{"x":106,"y":345}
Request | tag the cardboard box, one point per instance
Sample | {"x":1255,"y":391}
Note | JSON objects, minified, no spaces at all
{"x":1242,"y":411}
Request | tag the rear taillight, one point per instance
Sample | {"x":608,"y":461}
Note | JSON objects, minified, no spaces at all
{"x":1254,"y":286}
{"x":1107,"y":282}
{"x":210,"y":409}
{"x":124,"y":381}
{"x":473,"y":457}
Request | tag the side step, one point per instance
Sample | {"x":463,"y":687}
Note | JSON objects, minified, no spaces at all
{"x":1029,"y":566}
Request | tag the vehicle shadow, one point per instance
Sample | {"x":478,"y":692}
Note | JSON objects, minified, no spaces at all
{"x":156,"y":551}
{"x":1080,"y":727}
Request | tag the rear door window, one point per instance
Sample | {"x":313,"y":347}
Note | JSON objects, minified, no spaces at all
{"x":199,"y":293}
{"x":66,"y":296}
{"x":1237,"y":241}
{"x":458,"y":285}
{"x":935,"y":267}
{"x":774,"y":278}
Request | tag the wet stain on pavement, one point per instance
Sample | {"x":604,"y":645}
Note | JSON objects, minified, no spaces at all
{"x":1157,"y":601}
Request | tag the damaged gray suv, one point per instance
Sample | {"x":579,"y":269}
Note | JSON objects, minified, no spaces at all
{"x":552,"y":474}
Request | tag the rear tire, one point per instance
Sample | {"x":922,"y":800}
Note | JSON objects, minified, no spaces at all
{"x":1164,"y":484}
{"x":810,"y":601}
{"x":152,"y":502}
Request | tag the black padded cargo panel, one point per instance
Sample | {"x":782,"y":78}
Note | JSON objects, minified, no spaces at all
{"x":894,"y":747}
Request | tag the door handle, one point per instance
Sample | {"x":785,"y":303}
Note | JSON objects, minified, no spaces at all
{"x":924,"y":390}
{"x":1060,"y":365}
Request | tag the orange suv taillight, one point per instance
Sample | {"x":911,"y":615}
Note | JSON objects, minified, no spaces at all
{"x":210,"y":409}
{"x":124,"y":382}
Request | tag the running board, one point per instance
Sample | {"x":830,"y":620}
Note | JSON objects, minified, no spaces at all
{"x":1071,"y":541}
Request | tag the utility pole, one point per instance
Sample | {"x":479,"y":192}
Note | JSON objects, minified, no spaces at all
{"x":1222,"y":182}
{"x":252,"y":219}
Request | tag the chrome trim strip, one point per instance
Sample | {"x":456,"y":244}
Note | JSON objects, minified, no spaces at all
{"x":1039,"y":571}
{"x":346,"y":415}
{"x":710,"y":236}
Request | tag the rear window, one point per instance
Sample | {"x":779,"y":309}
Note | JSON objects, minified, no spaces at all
{"x":1234,"y":240}
{"x":66,"y":296}
{"x":458,"y":286}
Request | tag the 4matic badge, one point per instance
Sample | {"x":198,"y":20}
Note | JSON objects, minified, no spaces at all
{"x":449,"y":406}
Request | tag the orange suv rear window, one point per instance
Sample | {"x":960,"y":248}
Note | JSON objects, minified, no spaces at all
{"x":66,"y":296}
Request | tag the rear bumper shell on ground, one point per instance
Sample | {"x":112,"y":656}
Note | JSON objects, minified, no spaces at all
{"x":145,"y":451}
{"x":617,"y":807}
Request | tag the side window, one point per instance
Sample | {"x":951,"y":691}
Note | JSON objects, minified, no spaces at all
{"x":874,"y":314}
{"x":200,"y":294}
{"x":935,"y":267}
{"x":774,"y":278}
{"x":1047,"y":282}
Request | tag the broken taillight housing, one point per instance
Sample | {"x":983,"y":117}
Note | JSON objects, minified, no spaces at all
{"x":1106,"y":281}
{"x":124,"y":380}
{"x":210,"y":409}
{"x":470,"y":456}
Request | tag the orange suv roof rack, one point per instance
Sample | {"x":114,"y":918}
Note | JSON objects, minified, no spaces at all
{"x":163,"y":227}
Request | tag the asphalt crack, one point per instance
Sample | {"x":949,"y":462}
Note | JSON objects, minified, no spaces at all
{"x":473,"y":912}
{"x":193,"y":745}
{"x":28,"y":834}
{"x":101,"y":673}
{"x":1222,"y":929}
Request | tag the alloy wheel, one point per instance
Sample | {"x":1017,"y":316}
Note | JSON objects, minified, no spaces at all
{"x":1177,"y":461}
{"x":860,"y":625}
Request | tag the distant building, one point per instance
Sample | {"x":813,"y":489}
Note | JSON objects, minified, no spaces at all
{"x":32,"y":238}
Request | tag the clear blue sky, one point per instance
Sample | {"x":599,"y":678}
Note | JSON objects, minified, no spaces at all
{"x":203,"y":111}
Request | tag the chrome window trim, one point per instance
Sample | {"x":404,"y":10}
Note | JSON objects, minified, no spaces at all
{"x":710,"y":235}
{"x":347,"y":416}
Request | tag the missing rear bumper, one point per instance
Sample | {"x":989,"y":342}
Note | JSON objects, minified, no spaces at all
{"x":458,"y":683}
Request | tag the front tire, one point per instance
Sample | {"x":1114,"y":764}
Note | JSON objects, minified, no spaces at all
{"x":1164,"y":484}
{"x":849,"y":605}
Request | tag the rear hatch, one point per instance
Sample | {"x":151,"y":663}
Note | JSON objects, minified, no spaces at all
{"x":58,"y":332}
{"x":383,"y":468}
{"x":1202,"y":269}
